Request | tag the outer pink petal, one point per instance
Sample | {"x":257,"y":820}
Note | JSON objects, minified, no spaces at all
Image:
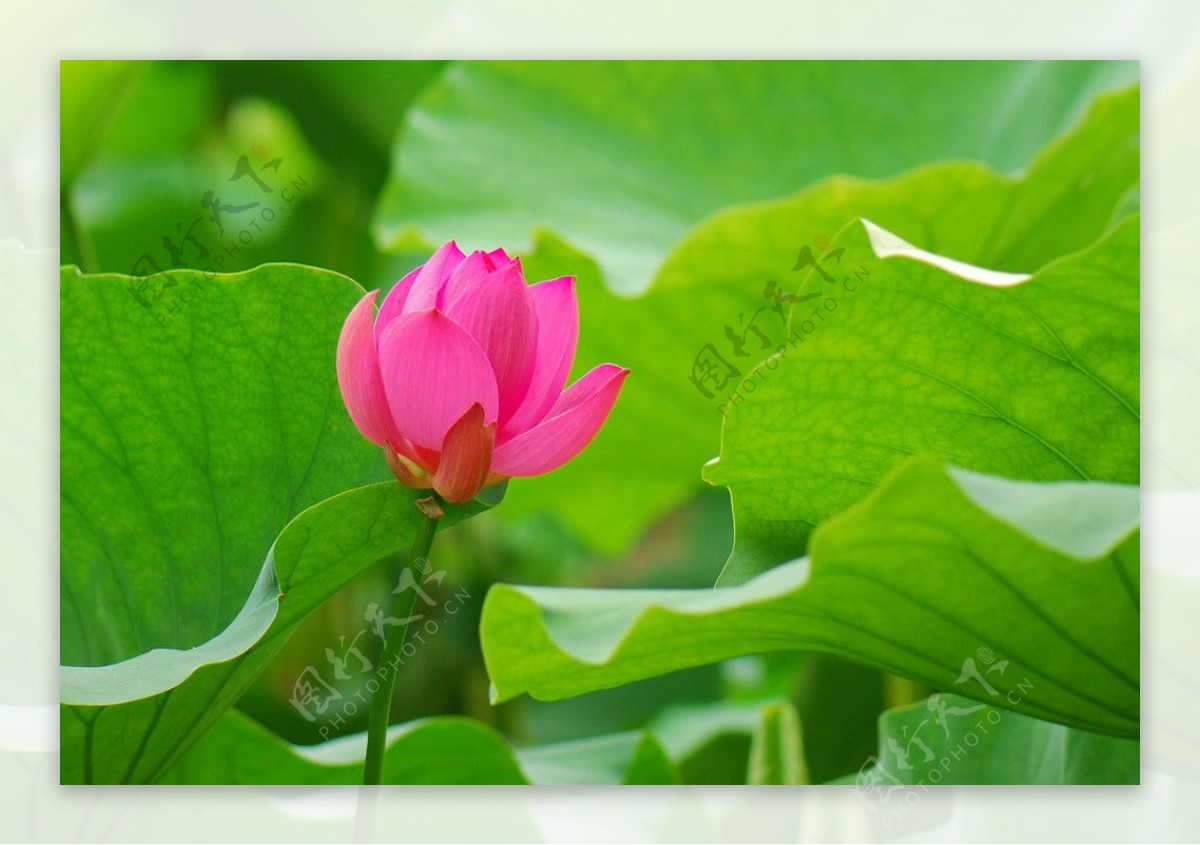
{"x":433,"y":371}
{"x":499,"y":313}
{"x":558,"y":330}
{"x":427,"y":286}
{"x":567,"y":429}
{"x":359,"y":376}
{"x":393,"y":303}
{"x":466,"y":455}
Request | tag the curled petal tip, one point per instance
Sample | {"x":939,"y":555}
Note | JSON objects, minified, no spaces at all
{"x":574,"y":420}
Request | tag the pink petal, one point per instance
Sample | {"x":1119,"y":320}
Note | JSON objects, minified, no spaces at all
{"x":393,"y":303}
{"x":433,"y":371}
{"x":498,"y":312}
{"x":359,"y":376}
{"x":558,"y":330}
{"x":466,"y":455}
{"x":427,"y":286}
{"x":497,"y":258}
{"x":473,"y":271}
{"x":567,"y":429}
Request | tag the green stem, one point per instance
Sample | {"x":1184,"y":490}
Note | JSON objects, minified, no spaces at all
{"x":381,"y":699}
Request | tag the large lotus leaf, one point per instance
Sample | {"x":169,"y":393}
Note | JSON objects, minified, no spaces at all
{"x":622,"y":158}
{"x":711,"y":289}
{"x":935,"y":566}
{"x":187,"y":447}
{"x":439,"y":750}
{"x":905,"y":352}
{"x":444,"y":750}
{"x":456,"y":750}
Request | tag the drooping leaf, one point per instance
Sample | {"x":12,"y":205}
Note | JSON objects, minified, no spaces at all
{"x":442,"y":750}
{"x":711,"y":289}
{"x":907,"y":354}
{"x":455,"y":750}
{"x":632,"y":758}
{"x":186,"y":448}
{"x":684,"y":729}
{"x":630,"y":155}
{"x":954,"y":740}
{"x":933,"y":566}
{"x":711,"y":742}
{"x":754,"y":741}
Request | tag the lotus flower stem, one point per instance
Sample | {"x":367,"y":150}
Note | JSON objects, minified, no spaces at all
{"x":461,"y":380}
{"x":381,"y":699}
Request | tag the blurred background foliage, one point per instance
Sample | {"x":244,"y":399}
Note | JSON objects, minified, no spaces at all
{"x":596,"y":177}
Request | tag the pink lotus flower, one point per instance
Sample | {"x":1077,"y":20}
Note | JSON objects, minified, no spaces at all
{"x":460,"y":376}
